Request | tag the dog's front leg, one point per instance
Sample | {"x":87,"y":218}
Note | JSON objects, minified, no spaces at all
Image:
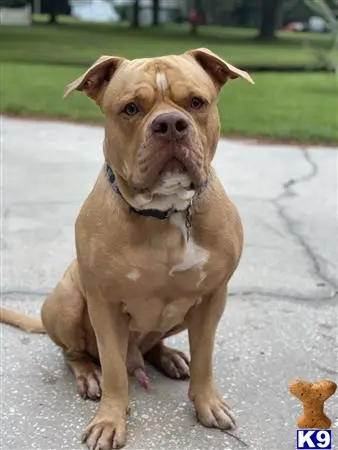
{"x":111,"y":326}
{"x":211,"y":408}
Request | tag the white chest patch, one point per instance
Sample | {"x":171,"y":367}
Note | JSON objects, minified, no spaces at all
{"x":161,"y":81}
{"x":171,"y":191}
{"x":133,"y":275}
{"x":195,"y":257}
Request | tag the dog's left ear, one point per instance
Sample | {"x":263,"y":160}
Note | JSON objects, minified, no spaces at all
{"x":219,"y":70}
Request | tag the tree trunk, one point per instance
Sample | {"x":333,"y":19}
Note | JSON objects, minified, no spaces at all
{"x":269,"y":19}
{"x":193,"y":29}
{"x":53,"y":12}
{"x":136,"y":10}
{"x":156,"y":12}
{"x":52,"y":18}
{"x":196,"y":9}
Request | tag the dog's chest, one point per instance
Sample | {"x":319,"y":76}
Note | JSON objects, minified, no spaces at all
{"x":158,"y":314}
{"x":167,"y":291}
{"x":193,"y":256}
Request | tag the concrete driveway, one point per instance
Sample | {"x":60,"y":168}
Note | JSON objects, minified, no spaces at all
{"x":281,"y":320}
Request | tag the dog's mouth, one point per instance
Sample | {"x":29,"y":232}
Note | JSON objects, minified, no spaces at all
{"x":179,"y":163}
{"x":172,"y":179}
{"x":174,"y":173}
{"x":174,"y":166}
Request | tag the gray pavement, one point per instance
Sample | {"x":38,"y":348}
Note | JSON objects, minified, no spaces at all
{"x":281,"y":319}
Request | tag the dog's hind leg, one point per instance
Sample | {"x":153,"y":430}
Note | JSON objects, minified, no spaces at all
{"x":65,"y":318}
{"x":87,"y":374}
{"x":171,"y":362}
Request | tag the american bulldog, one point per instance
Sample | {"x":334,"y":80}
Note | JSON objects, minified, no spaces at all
{"x":157,"y":240}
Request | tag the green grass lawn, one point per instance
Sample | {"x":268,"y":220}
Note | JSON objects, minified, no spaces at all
{"x":284,"y":106}
{"x":78,"y":43}
{"x":39,"y":61}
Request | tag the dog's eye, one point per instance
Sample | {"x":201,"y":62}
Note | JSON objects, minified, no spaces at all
{"x":197,"y":102}
{"x":130,"y":109}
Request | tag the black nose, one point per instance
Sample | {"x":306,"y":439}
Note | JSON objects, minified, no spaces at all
{"x":170,"y":126}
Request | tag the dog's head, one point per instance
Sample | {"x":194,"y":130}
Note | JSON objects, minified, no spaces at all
{"x":161,"y":120}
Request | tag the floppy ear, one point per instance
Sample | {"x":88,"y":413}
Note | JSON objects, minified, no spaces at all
{"x":219,"y":70}
{"x":95,"y":78}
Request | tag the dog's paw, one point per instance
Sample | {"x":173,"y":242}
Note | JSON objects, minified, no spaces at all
{"x":175,"y":364}
{"x":105,"y":434}
{"x":213,"y":411}
{"x":89,"y":384}
{"x":170,"y":361}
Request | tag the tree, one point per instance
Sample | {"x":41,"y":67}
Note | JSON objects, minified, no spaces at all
{"x":54,"y":8}
{"x":136,"y":11}
{"x":195,"y":15}
{"x":156,"y":12}
{"x":53,"y":12}
{"x":269,"y":19}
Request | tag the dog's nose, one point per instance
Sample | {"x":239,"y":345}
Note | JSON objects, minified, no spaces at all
{"x":170,"y":126}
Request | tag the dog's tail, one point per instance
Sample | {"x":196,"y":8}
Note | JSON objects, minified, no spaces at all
{"x":20,"y":320}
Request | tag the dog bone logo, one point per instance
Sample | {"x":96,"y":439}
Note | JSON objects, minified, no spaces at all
{"x":313,"y":396}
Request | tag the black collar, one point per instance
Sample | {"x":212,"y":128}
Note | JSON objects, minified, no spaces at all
{"x":158,"y":214}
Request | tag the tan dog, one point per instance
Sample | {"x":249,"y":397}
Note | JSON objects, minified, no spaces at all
{"x":157,"y":239}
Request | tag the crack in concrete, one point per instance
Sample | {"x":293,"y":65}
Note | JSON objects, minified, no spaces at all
{"x":282,"y":295}
{"x":245,"y":293}
{"x":45,"y":203}
{"x":271,"y":228}
{"x":237,"y":438}
{"x":24,"y":292}
{"x":289,"y":192}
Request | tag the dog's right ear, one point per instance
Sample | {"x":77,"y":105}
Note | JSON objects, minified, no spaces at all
{"x":96,"y":78}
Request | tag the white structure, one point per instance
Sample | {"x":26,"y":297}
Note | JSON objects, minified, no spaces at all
{"x":164,"y":4}
{"x":168,"y":10}
{"x":94,"y":10}
{"x":16,"y":16}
